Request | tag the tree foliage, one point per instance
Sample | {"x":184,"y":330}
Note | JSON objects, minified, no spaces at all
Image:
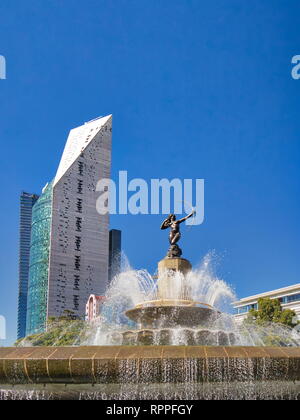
{"x":61,"y":331}
{"x":270,"y":310}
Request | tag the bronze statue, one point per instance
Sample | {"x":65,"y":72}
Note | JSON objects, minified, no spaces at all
{"x":175,"y":234}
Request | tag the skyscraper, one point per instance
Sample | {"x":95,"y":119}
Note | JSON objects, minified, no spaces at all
{"x":115,"y":243}
{"x":70,"y":240}
{"x":27,"y":200}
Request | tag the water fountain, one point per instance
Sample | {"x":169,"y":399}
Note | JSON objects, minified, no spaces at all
{"x":169,"y":345}
{"x":173,"y":308}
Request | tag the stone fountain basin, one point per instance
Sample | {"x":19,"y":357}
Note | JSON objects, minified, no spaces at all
{"x":147,"y":364}
{"x":162,"y":314}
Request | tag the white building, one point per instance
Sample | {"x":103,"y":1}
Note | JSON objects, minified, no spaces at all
{"x":70,"y":240}
{"x":93,"y":307}
{"x":289,"y":298}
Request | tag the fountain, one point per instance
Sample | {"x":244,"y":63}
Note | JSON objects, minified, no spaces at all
{"x":173,"y":307}
{"x":170,"y":311}
{"x":172,"y":346}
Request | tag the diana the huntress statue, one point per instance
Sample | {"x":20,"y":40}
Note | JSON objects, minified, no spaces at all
{"x":175,"y":235}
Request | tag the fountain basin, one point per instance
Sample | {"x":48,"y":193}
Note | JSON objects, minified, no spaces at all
{"x":164,"y":314}
{"x":262,"y":390}
{"x":184,"y":336}
{"x":147,"y":364}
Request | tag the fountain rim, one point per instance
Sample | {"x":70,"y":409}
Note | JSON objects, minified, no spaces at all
{"x":101,"y":364}
{"x":173,"y":303}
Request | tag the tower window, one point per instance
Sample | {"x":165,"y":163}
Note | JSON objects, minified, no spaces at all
{"x":80,"y":168}
{"x":77,"y":243}
{"x":80,"y":186}
{"x":78,"y":224}
{"x":79,"y":205}
{"x":77,"y":262}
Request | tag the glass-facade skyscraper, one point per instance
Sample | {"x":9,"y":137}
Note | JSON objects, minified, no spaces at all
{"x":70,"y":240}
{"x":39,"y":262}
{"x":27,"y":201}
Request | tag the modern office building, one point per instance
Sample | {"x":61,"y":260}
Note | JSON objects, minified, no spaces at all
{"x":70,"y":239}
{"x":289,"y":298}
{"x":27,"y":201}
{"x":115,"y":245}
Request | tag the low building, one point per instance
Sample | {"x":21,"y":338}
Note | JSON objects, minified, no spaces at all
{"x":289,"y":298}
{"x":93,"y":307}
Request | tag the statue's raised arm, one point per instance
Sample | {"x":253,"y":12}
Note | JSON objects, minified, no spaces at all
{"x":186,"y":217}
{"x":165,"y":224}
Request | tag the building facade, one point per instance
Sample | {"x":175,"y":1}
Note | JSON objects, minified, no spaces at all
{"x":27,"y":201}
{"x":70,"y":239}
{"x":289,"y":298}
{"x":115,"y":246}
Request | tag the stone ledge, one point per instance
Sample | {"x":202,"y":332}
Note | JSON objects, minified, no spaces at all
{"x":142,"y":364}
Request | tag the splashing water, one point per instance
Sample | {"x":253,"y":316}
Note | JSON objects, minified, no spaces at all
{"x":207,"y":288}
{"x":133,"y":287}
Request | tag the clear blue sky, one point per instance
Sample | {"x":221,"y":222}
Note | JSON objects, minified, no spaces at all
{"x":198,"y":89}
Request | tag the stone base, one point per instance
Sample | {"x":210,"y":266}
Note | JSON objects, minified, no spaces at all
{"x":174,"y":252}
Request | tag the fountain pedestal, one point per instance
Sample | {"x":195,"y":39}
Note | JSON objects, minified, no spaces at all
{"x":176,"y":264}
{"x":174,"y":308}
{"x":167,"y":268}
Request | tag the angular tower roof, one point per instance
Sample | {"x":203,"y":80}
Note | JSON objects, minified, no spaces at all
{"x":79,"y":138}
